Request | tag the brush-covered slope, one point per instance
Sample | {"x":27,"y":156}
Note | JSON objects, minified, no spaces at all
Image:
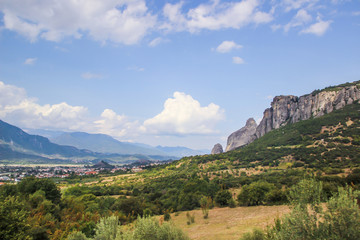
{"x":329,"y":141}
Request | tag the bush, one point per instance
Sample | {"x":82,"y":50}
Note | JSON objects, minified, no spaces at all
{"x":257,"y":234}
{"x":307,"y":220}
{"x":167,"y":216}
{"x":222,"y":198}
{"x":255,"y":193}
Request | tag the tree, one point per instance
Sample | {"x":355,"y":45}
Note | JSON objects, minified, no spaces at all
{"x":13,"y":216}
{"x":30,"y":185}
{"x":223,"y":197}
{"x":255,"y":193}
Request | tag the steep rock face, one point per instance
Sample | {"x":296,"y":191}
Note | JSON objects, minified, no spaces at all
{"x":292,"y":109}
{"x":217,"y":149}
{"x":242,"y":136}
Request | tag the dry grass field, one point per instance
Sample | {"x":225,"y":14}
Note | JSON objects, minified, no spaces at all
{"x":228,"y":223}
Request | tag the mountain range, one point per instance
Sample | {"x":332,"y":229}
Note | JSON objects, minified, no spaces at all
{"x":18,"y":146}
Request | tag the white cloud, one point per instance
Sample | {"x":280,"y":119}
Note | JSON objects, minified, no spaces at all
{"x":296,"y":4}
{"x":318,"y":28}
{"x":157,"y":41}
{"x":115,"y":125}
{"x":19,"y":109}
{"x":89,"y":75}
{"x":227,"y":46}
{"x":184,"y":115}
{"x":238,"y":60}
{"x":30,"y":61}
{"x":214,"y":16}
{"x":356,"y":13}
{"x":275,"y":27}
{"x":120,"y":21}
{"x":302,"y":17}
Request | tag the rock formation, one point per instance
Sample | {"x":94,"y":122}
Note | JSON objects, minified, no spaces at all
{"x":242,"y":136}
{"x":292,"y":109}
{"x":217,"y":149}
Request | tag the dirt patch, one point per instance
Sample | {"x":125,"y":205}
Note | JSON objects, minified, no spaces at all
{"x":228,"y":223}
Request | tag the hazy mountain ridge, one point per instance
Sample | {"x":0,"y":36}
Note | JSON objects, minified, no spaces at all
{"x":17,"y":146}
{"x":103,"y":143}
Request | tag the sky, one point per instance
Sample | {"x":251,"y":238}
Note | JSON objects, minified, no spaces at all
{"x":168,"y":72}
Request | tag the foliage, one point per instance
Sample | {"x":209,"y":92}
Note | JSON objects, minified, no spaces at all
{"x":255,"y":194}
{"x":13,"y":215}
{"x":223,"y":197}
{"x":308,"y":219}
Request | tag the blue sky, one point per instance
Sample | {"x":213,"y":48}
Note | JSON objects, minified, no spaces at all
{"x":168,"y":72}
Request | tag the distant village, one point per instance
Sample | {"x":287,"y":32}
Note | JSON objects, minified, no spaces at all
{"x":17,"y":173}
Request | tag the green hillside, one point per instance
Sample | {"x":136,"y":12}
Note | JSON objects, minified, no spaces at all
{"x":330,"y":141}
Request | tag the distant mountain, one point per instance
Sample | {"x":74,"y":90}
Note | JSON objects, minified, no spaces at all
{"x":104,"y":144}
{"x":45,"y":133}
{"x":17,"y":146}
{"x":182,"y":151}
{"x":15,"y":138}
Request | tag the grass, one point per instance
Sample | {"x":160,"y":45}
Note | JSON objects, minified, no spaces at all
{"x":228,"y":223}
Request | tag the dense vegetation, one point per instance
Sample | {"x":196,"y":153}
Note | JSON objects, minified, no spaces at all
{"x":263,"y":173}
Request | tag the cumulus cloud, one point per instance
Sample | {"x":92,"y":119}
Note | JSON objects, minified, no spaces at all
{"x":30,"y":61}
{"x":302,"y":17}
{"x":120,"y":21}
{"x":115,"y":125}
{"x":89,"y":75}
{"x":227,"y":46}
{"x":214,"y":16}
{"x":182,"y":115}
{"x":319,"y":28}
{"x":19,"y":109}
{"x":238,"y":60}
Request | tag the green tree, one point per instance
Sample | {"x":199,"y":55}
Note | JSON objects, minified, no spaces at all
{"x":255,"y":193}
{"x":223,"y":197}
{"x":13,"y":216}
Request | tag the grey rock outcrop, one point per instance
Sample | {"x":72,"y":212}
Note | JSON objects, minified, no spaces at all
{"x":217,"y":149}
{"x":242,"y":136}
{"x":292,"y":109}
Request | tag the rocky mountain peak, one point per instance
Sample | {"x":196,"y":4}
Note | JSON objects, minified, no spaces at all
{"x":242,"y":136}
{"x":217,"y":149}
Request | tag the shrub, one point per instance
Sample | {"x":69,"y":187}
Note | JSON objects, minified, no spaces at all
{"x":167,"y":216}
{"x":222,"y":198}
{"x":255,"y":193}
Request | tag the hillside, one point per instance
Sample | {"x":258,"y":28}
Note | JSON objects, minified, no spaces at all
{"x":330,"y":141}
{"x":17,"y":146}
{"x":288,"y":109}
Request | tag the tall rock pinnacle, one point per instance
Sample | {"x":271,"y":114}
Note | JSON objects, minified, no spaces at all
{"x":242,"y":136}
{"x":217,"y":149}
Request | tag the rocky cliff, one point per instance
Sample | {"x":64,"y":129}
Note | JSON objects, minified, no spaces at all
{"x":243,"y":136}
{"x":291,"y":109}
{"x":217,"y":149}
